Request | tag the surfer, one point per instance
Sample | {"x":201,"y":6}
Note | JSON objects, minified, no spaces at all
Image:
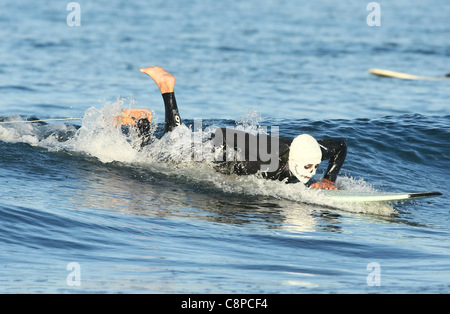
{"x":296,"y":159}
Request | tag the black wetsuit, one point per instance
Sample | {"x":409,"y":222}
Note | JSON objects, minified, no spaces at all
{"x":334,"y":149}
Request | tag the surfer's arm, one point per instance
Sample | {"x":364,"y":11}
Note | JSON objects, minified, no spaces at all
{"x":335,"y":150}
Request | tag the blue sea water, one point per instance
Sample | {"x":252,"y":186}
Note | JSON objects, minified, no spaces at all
{"x":82,"y":211}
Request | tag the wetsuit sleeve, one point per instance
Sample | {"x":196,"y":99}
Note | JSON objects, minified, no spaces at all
{"x":334,"y":149}
{"x":172,"y":116}
{"x":172,"y":119}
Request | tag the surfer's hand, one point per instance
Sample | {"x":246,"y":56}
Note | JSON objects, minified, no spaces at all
{"x":325,"y":184}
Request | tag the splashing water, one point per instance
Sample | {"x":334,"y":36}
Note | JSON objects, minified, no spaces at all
{"x":174,"y":153}
{"x":250,"y":122}
{"x":101,"y":138}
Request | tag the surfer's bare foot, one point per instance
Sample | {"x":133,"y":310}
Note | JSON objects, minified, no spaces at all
{"x":162,"y":78}
{"x":324,"y":185}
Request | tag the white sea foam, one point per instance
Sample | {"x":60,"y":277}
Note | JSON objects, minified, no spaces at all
{"x":174,"y":153}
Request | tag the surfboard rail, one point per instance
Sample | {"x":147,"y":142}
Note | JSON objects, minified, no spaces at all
{"x":363,"y":197}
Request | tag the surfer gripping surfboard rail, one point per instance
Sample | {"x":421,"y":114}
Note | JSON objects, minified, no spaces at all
{"x":276,"y":158}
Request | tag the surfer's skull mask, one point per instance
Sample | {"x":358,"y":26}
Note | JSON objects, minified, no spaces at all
{"x":305,"y":156}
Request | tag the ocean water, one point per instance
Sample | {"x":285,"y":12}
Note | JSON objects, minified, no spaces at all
{"x":83,"y":211}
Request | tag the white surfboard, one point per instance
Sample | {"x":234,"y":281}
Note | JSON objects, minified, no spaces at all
{"x":363,"y":197}
{"x":405,"y":76}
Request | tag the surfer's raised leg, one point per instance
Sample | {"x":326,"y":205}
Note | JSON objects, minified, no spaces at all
{"x":166,"y":84}
{"x":162,"y":78}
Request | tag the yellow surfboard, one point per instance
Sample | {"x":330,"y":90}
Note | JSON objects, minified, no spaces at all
{"x":405,"y":76}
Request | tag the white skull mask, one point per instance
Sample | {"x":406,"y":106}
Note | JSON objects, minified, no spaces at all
{"x":305,"y":156}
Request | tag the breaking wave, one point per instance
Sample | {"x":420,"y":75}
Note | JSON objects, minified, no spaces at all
{"x":175,"y":153}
